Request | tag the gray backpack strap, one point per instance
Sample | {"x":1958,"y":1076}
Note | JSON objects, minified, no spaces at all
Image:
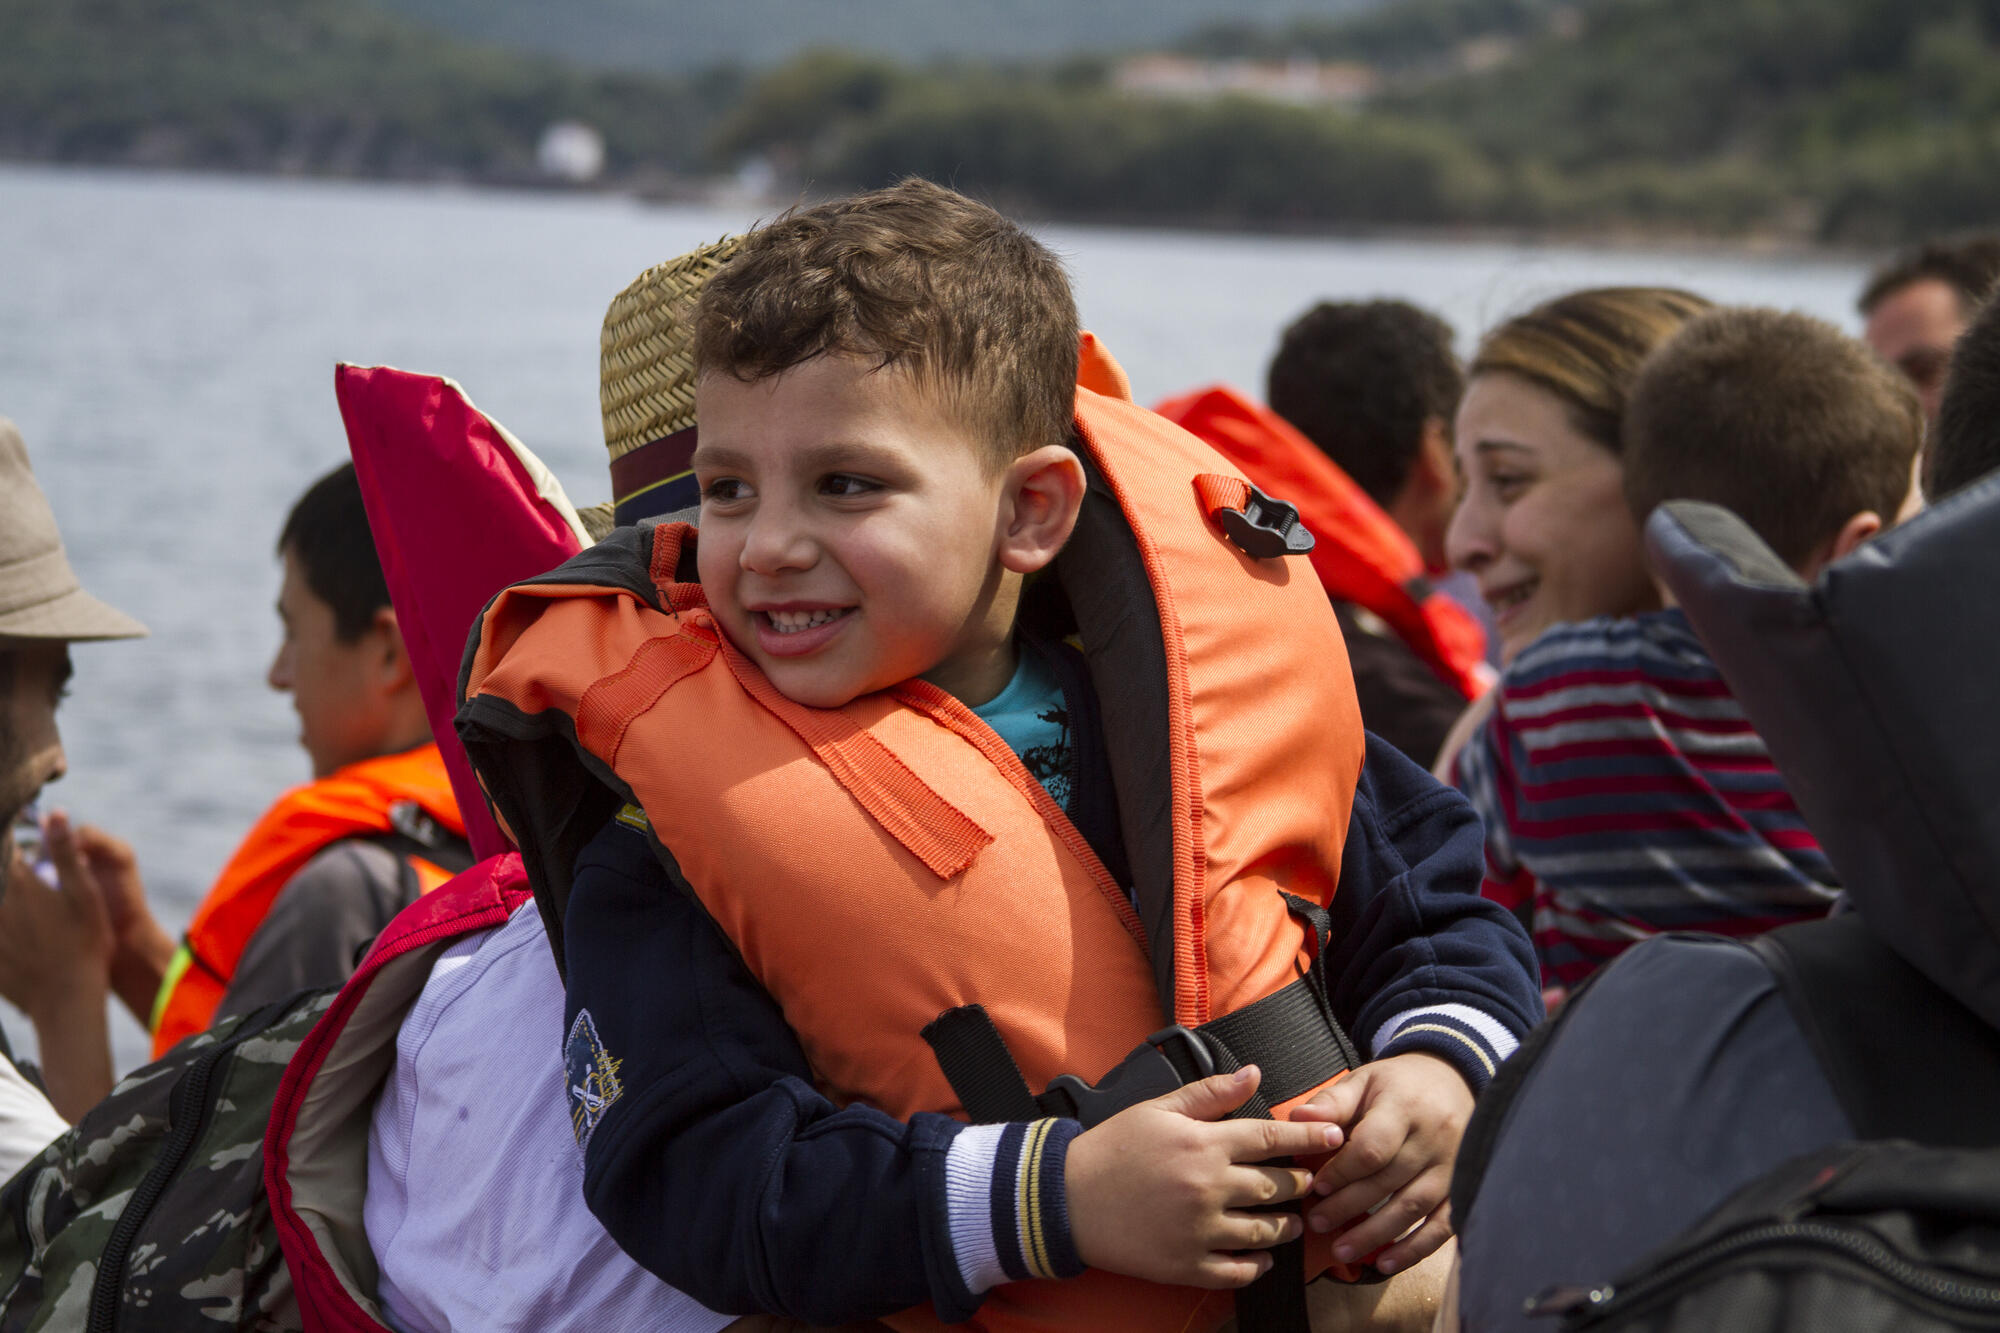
{"x":1906,"y":1060}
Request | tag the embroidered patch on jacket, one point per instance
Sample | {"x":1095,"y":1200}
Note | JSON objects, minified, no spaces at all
{"x":591,"y":1077}
{"x":632,"y":817}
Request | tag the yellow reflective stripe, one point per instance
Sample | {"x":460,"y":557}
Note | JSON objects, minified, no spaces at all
{"x":1485,"y":1060}
{"x":1034,"y":1245}
{"x":176,"y":968}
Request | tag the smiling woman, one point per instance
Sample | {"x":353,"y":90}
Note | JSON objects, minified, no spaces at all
{"x":1543,"y":523}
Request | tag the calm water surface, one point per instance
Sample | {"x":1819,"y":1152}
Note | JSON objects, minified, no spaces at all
{"x":167,"y":346}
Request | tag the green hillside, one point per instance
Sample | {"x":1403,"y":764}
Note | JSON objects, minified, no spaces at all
{"x":324,"y":86}
{"x":1865,"y":118}
{"x":678,"y":35}
{"x":1853,"y":120}
{"x":1849,"y":120}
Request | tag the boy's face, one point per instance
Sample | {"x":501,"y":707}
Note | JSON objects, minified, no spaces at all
{"x":850,"y":534}
{"x":334,"y":683}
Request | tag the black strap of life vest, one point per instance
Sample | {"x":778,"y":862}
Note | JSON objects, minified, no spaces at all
{"x":975,"y":1058}
{"x":1905,"y":1058}
{"x":1291,"y":1035}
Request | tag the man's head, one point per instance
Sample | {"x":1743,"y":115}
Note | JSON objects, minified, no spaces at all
{"x":1918,"y":304}
{"x":342,"y":658}
{"x":1965,"y":442}
{"x":886,"y":390}
{"x":1374,"y":384}
{"x":1781,"y":418}
{"x":42,"y":611}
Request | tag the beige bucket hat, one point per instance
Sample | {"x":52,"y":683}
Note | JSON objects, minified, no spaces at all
{"x":39,"y":595}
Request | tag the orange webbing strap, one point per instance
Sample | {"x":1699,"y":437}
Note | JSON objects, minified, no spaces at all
{"x":608,"y":708}
{"x":1218,"y":492}
{"x":939,"y":834}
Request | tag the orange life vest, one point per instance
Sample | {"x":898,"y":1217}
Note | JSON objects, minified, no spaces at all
{"x":359,"y":800}
{"x":1361,"y":555}
{"x":880,"y":864}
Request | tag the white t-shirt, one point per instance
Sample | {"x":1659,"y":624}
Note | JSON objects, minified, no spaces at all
{"x":28,"y":1123}
{"x":475,"y":1205}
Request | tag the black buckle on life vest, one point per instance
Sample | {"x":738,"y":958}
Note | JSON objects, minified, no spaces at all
{"x":1266,"y":528}
{"x":1171,"y":1058}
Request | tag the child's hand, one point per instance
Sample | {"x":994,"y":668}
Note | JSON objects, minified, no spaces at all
{"x":1404,"y":1117}
{"x":1159,"y":1191}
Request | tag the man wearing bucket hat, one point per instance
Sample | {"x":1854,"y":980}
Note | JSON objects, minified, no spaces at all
{"x":43,"y":609}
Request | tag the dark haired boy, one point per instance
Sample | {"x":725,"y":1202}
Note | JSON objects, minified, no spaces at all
{"x":1617,"y":767}
{"x":383,"y":823}
{"x":886,"y":453}
{"x":1374,"y":384}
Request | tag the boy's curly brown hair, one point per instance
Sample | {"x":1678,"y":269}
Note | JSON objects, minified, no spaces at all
{"x":1777,"y":416}
{"x":915,"y":277}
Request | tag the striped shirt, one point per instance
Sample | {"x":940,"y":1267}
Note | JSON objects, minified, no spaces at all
{"x":1620,"y":778}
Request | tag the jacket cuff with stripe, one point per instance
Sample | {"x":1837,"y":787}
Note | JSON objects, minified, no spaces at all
{"x":1470,"y":1041}
{"x":1007,"y":1204}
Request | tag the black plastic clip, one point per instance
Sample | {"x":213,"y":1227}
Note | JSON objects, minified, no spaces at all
{"x":1146,"y":1073}
{"x":1265,"y":528}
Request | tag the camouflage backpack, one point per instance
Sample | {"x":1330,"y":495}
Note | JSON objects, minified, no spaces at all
{"x":150,"y":1213}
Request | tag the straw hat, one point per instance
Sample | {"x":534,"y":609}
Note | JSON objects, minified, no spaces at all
{"x":647,"y":383}
{"x":39,"y":595}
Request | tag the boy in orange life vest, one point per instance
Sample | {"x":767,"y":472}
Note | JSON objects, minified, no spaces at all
{"x":874,"y":493}
{"x":331,"y":862}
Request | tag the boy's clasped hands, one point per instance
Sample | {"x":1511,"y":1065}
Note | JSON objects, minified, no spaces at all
{"x":1392,"y":1128}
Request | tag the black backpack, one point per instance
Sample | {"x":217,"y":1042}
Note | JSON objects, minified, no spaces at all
{"x":1900,"y":1231}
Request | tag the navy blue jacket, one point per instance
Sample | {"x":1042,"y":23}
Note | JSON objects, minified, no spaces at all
{"x":718,"y":1166}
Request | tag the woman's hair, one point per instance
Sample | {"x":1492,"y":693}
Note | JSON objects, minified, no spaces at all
{"x":1585,"y":347}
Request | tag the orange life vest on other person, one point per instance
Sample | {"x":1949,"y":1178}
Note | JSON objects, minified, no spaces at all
{"x":1361,"y":554}
{"x":356,"y":801}
{"x":881,"y":863}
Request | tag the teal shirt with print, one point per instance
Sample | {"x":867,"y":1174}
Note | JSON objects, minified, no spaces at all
{"x":1032,"y":716}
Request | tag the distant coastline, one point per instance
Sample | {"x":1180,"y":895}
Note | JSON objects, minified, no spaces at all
{"x":724,"y":193}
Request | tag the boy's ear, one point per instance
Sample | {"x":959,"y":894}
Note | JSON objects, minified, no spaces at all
{"x":1858,"y":529}
{"x":392,"y":659}
{"x":1040,"y":496}
{"x":1433,"y":469}
{"x":1855,"y":531}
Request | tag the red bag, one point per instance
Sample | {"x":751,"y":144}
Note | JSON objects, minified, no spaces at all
{"x":460,"y":509}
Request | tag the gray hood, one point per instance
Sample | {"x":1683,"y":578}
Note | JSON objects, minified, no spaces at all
{"x":1875,"y":688}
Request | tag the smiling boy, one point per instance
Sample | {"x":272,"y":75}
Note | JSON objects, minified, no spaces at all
{"x":836,"y":503}
{"x":893,"y":847}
